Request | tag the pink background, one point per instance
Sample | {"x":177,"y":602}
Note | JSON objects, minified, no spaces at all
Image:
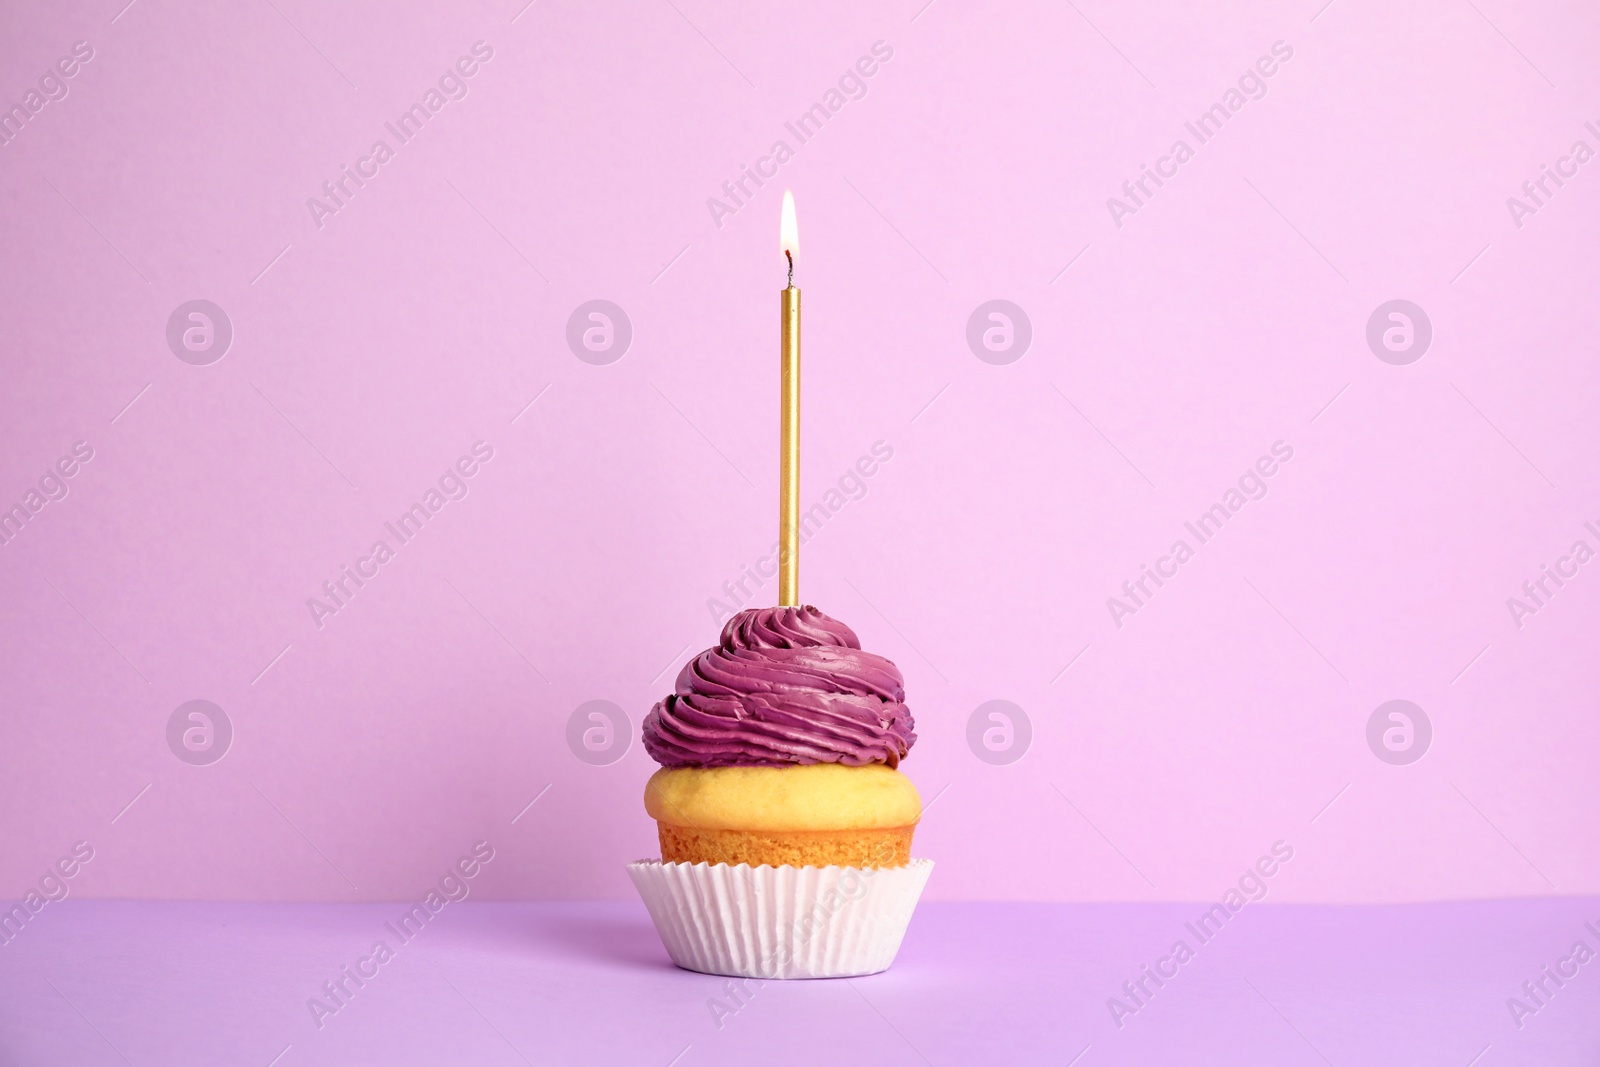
{"x":1227,"y":314}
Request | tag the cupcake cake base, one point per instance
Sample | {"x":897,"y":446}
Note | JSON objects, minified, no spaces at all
{"x":886,"y":847}
{"x":780,"y":922}
{"x":818,"y":815}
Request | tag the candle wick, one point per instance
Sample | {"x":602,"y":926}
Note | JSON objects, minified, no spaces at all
{"x":790,"y":257}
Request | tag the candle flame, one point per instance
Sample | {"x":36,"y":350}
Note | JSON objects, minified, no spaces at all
{"x":788,"y":230}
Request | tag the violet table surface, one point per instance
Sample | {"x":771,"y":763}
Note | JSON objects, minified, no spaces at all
{"x":102,"y":982}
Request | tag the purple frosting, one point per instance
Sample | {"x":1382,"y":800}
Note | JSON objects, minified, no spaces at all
{"x":785,"y":685}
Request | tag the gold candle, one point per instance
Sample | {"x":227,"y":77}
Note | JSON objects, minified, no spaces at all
{"x":789,"y":419}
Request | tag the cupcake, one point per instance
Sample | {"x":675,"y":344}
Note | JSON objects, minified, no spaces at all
{"x":780,"y":800}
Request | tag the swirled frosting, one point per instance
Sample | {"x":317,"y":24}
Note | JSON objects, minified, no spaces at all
{"x":784,"y":685}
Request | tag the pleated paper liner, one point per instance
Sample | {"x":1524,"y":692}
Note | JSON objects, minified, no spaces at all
{"x":780,"y":922}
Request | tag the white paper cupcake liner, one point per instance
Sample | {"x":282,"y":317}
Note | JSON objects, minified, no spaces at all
{"x":780,"y":922}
